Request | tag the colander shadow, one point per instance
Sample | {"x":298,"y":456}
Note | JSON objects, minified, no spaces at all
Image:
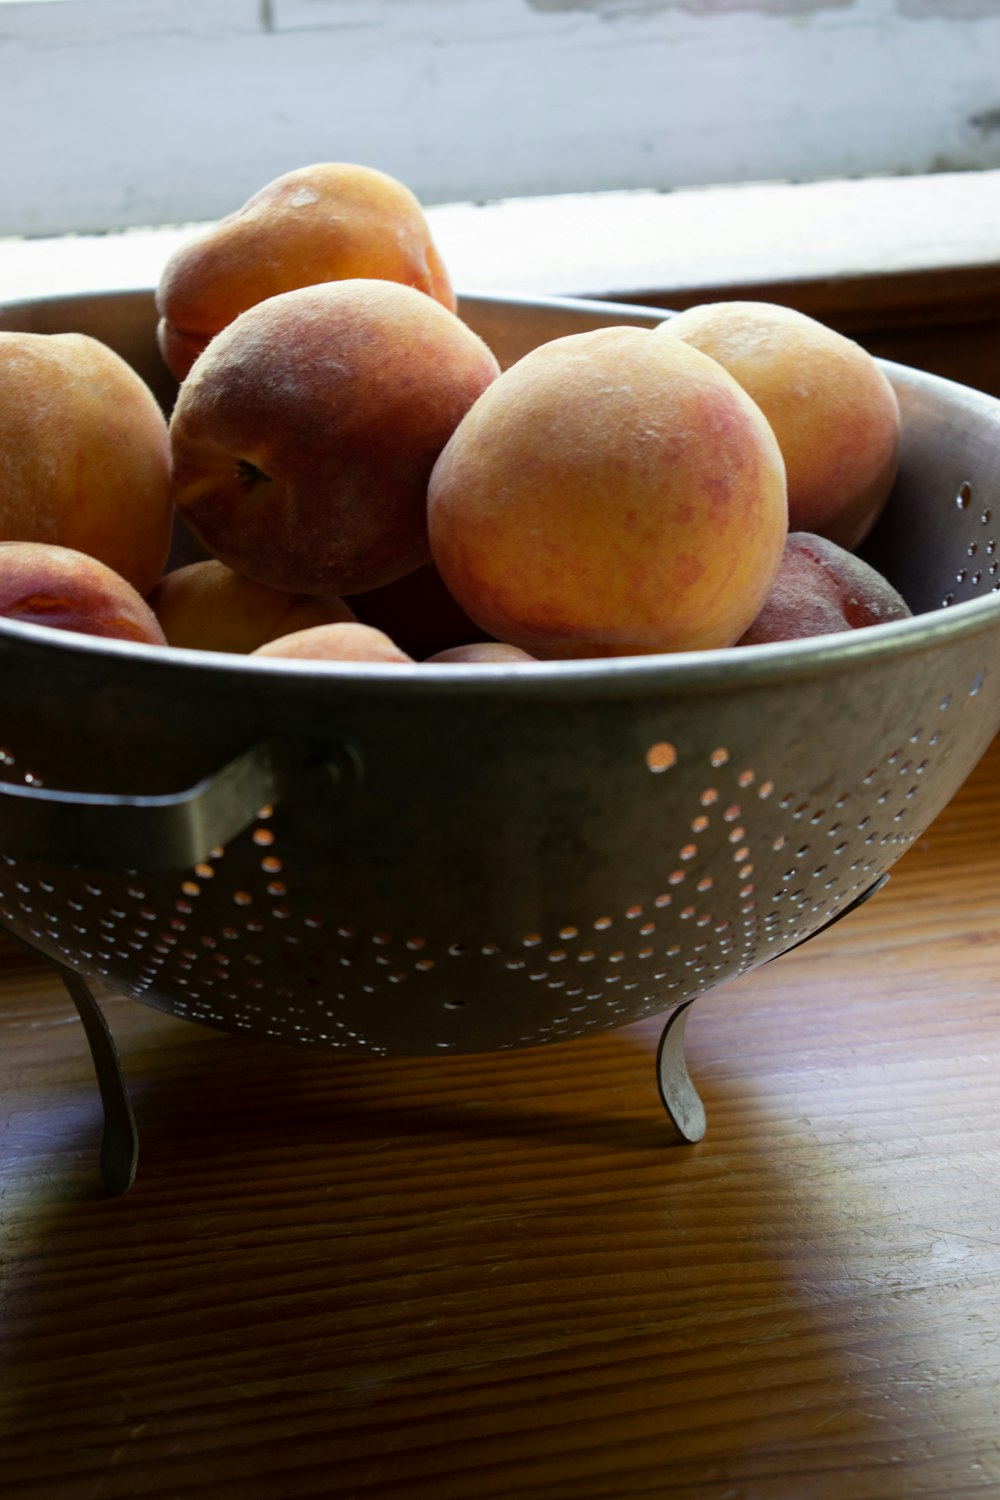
{"x":326,"y":1270}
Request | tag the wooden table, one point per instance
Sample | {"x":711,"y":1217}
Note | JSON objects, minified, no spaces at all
{"x":498,"y":1276}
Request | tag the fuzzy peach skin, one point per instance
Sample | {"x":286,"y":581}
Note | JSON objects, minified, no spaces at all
{"x":487,"y":652}
{"x":821,"y":588}
{"x":205,"y":606}
{"x":84,"y":454}
{"x":348,"y":641}
{"x":612,"y":493}
{"x":325,"y":222}
{"x":304,"y":437}
{"x":42,"y":584}
{"x":833,"y":410}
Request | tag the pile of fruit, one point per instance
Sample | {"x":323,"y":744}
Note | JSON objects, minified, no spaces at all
{"x":366,"y":484}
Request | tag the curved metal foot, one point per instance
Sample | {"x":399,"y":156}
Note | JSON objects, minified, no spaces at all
{"x":120,"y":1141}
{"x":679,"y":1095}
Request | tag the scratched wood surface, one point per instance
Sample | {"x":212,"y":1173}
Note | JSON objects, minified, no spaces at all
{"x":462,"y":1278}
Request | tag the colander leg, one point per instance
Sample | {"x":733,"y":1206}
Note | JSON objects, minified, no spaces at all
{"x":120,"y":1141}
{"x":679,"y":1095}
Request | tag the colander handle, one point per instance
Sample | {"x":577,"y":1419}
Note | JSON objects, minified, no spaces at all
{"x":172,"y":831}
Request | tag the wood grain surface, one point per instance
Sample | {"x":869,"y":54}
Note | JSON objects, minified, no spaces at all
{"x":483,"y":1277}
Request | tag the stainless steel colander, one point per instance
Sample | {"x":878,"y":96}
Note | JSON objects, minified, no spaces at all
{"x":443,"y":859}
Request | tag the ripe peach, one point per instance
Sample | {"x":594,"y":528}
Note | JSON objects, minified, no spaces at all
{"x":42,"y":584}
{"x":611,"y":493}
{"x":820,"y":588}
{"x":304,"y":436}
{"x":325,"y":222}
{"x":482,"y":651}
{"x":205,"y":606}
{"x":84,"y":454}
{"x":417,"y":611}
{"x":347,"y":641}
{"x":833,"y":410}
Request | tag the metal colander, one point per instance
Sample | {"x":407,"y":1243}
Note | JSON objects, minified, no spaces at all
{"x":396,"y":860}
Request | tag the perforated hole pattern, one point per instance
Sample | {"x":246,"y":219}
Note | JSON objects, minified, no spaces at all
{"x":750,"y":867}
{"x":977,"y":568}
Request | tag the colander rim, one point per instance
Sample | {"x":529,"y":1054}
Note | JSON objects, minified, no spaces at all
{"x":667,"y":672}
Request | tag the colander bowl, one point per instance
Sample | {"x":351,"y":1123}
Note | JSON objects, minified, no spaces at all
{"x":397,"y":860}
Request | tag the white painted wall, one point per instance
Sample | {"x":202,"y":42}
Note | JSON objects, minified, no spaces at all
{"x":125,"y":112}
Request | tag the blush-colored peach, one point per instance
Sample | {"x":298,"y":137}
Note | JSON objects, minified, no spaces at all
{"x":205,"y":606}
{"x":820,"y":588}
{"x":612,"y":493}
{"x":330,"y":221}
{"x":42,"y":584}
{"x":348,"y":641}
{"x":84,"y":454}
{"x":833,"y":409}
{"x":483,"y":652}
{"x":304,"y":437}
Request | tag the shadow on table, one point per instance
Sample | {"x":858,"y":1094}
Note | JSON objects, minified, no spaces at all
{"x":448,"y":1277}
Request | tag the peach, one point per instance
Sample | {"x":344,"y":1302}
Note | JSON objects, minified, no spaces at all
{"x":43,"y":584}
{"x":84,"y":454}
{"x":821,"y":588}
{"x":833,"y":410}
{"x":205,"y":606}
{"x":346,"y":641}
{"x":304,"y":437}
{"x":417,"y":611}
{"x":487,"y":652}
{"x":612,"y":493}
{"x":326,"y":222}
